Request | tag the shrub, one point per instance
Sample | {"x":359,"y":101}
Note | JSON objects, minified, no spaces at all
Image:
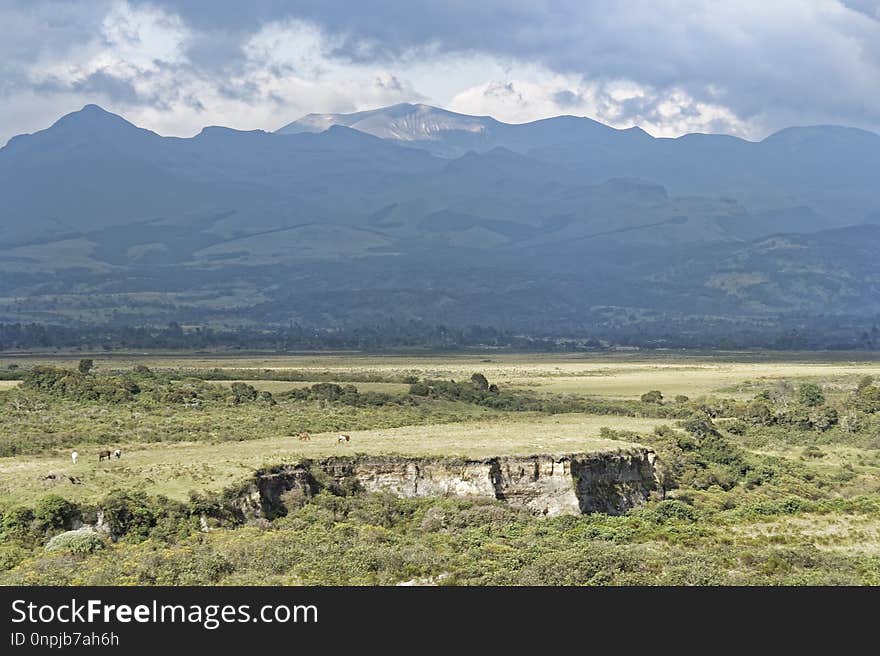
{"x":699,"y":424}
{"x":865,"y":381}
{"x":823,"y":418}
{"x":654,"y":396}
{"x":83,"y":541}
{"x":128,"y":514}
{"x":737,"y":427}
{"x":810,"y":395}
{"x":672,"y":510}
{"x":867,"y":399}
{"x":242,"y":393}
{"x":54,"y":512}
{"x":11,"y":555}
{"x":480,"y":381}
{"x":18,"y":522}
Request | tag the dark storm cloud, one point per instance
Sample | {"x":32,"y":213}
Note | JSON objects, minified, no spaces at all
{"x":769,"y":63}
{"x":818,"y":59}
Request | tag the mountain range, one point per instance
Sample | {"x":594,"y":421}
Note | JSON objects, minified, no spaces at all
{"x":412,"y":212}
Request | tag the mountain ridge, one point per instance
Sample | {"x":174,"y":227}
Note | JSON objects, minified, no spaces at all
{"x":527,"y":224}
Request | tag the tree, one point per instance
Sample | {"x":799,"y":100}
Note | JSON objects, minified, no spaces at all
{"x":480,"y":381}
{"x":824,"y":418}
{"x":759,"y":412}
{"x":810,"y":395}
{"x":242,"y":392}
{"x":55,"y":512}
{"x":86,"y":365}
{"x":654,"y":396}
{"x":867,"y":399}
{"x":699,"y":424}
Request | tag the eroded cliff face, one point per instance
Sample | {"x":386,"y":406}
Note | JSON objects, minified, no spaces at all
{"x":609,"y":482}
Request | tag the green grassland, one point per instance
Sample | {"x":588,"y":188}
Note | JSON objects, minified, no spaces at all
{"x":773,"y":463}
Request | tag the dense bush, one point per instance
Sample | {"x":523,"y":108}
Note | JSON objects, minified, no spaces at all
{"x":82,"y":541}
{"x":129,"y":514}
{"x":18,"y":523}
{"x":347,"y":395}
{"x":80,"y":386}
{"x":53,"y":512}
{"x":382,"y":539}
{"x":514,"y":401}
{"x":811,"y":395}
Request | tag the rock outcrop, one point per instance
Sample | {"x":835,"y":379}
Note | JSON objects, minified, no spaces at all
{"x":610,"y":482}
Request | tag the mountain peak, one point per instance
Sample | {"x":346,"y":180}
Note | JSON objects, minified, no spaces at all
{"x":91,"y":107}
{"x":91,"y":123}
{"x":92,"y":115}
{"x":401,"y":122}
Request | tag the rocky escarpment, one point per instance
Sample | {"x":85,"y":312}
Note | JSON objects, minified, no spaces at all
{"x":609,"y":482}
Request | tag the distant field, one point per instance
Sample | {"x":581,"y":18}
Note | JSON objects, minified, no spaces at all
{"x":8,"y":384}
{"x":174,"y":470}
{"x":623,"y":375}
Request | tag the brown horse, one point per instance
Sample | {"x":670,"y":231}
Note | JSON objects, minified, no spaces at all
{"x":304,"y":437}
{"x":102,"y":455}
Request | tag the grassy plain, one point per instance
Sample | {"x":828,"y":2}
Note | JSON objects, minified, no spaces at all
{"x":771,"y":504}
{"x":622,"y":375}
{"x":175,"y":470}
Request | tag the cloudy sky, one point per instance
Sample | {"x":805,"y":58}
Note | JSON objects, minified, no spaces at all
{"x":745,"y":67}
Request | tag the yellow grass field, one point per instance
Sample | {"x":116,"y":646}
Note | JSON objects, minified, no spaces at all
{"x":621,"y":375}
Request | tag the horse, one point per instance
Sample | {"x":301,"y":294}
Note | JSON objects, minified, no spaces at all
{"x":117,"y":454}
{"x":74,"y":456}
{"x":304,"y":437}
{"x":342,"y":438}
{"x":103,"y":454}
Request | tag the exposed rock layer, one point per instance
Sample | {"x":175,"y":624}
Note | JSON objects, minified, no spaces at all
{"x":609,"y":482}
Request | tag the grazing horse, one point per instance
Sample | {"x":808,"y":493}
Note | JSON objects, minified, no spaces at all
{"x":342,"y":439}
{"x":102,"y":455}
{"x":117,"y":454}
{"x":304,"y":437}
{"x":74,"y":456}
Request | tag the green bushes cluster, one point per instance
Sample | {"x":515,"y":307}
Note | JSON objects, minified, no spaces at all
{"x":479,"y":391}
{"x":80,"y":386}
{"x":382,"y":539}
{"x":129,"y":516}
{"x":141,"y":384}
{"x":347,"y":395}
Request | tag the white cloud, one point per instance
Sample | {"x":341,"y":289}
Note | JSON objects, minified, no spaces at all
{"x":619,"y":103}
{"x":132,"y":43}
{"x":671,"y":66}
